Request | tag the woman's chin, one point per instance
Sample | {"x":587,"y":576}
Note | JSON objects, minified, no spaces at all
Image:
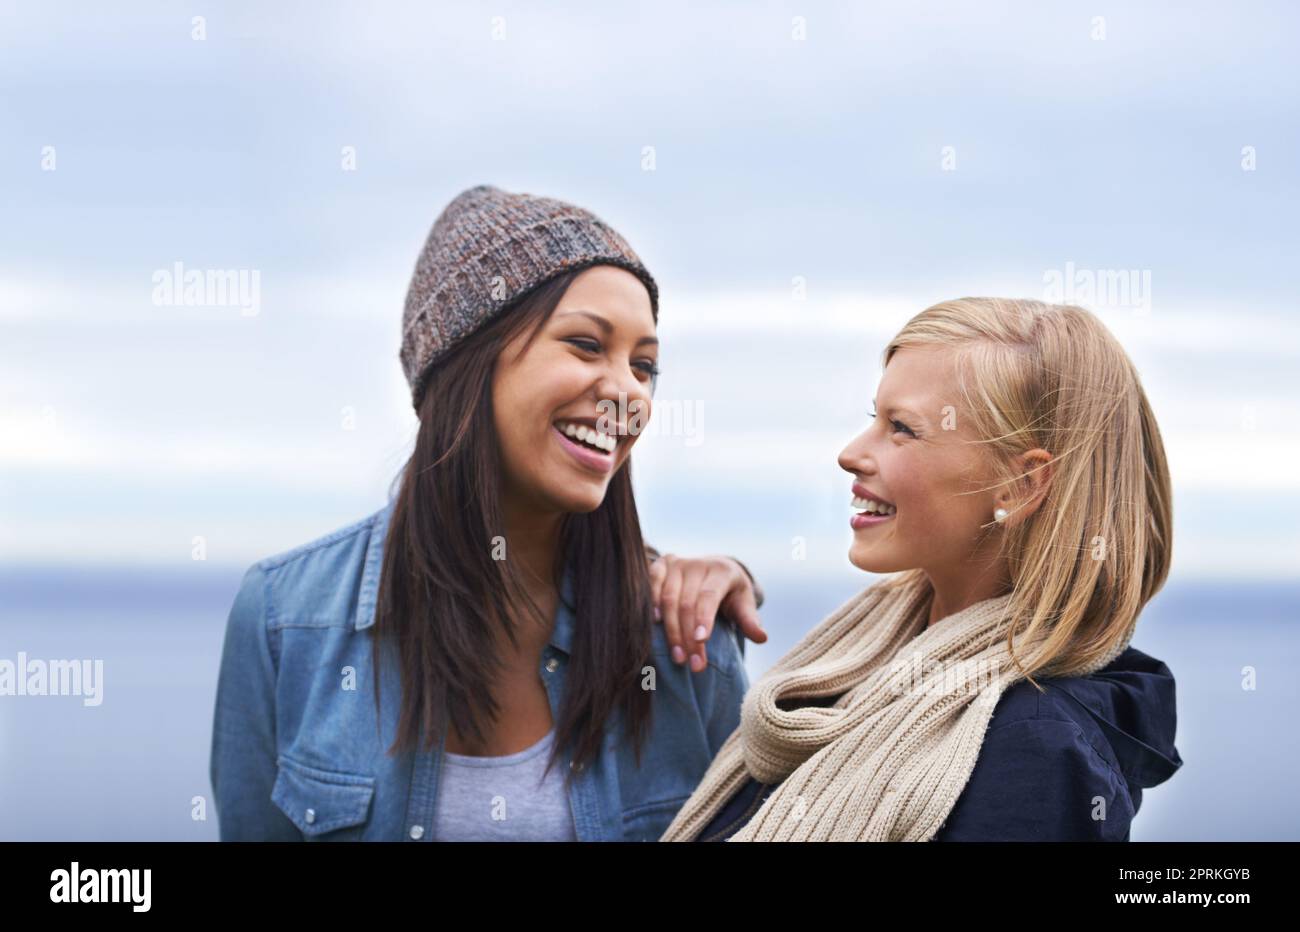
{"x":870,"y":560}
{"x":580,"y":500}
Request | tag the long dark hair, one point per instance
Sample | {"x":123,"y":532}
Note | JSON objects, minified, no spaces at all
{"x":443,"y":598}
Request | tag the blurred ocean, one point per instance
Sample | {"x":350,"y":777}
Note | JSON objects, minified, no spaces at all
{"x":129,"y":768}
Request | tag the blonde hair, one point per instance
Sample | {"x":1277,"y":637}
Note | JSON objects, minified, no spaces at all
{"x":1098,"y":548}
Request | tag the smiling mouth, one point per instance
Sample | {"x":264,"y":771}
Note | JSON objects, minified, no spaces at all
{"x":597,"y":441}
{"x":591,"y":450}
{"x":869,"y":507}
{"x":869,"y":513}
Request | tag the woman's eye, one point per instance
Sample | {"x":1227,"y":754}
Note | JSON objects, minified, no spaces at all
{"x":899,"y":426}
{"x":583,"y":343}
{"x":588,"y":345}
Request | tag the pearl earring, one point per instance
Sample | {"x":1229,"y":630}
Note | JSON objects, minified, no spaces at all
{"x":1000,"y":515}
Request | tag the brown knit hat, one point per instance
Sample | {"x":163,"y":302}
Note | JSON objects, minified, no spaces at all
{"x":487,"y":250}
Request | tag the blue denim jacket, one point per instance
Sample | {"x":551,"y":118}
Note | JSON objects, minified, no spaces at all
{"x":297,"y":748}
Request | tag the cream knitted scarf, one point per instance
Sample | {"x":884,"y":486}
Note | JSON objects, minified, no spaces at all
{"x":887,"y":761}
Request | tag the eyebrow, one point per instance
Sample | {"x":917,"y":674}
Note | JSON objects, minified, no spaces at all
{"x":900,"y":409}
{"x":606,"y":327}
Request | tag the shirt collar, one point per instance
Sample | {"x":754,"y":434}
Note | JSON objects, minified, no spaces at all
{"x":565,"y":612}
{"x":366,"y":600}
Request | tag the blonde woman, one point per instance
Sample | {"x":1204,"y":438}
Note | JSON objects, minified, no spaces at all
{"x":1014,"y":488}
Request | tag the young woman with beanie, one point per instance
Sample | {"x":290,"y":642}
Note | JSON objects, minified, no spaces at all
{"x":1014,"y":492}
{"x":478,"y":660}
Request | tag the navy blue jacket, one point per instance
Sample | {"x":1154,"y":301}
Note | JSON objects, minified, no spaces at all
{"x":1066,"y":764}
{"x":1070,"y":764}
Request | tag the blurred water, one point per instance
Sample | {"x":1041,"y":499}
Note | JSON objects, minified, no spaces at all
{"x":130,"y":767}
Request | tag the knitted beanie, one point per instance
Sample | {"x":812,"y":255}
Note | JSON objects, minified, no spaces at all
{"x":487,"y":249}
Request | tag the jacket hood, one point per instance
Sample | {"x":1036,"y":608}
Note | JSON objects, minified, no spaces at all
{"x":1132,"y":700}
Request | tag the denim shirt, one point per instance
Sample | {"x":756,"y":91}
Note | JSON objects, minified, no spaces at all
{"x":298,"y":752}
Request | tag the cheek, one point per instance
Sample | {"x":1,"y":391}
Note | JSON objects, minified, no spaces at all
{"x":516,"y":415}
{"x":557,"y":381}
{"x":934,"y":501}
{"x":925,"y":497}
{"x":910,"y":485}
{"x":530,"y":396}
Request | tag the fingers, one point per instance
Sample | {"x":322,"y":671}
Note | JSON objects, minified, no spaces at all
{"x":658,"y":572}
{"x":702,"y":590}
{"x":689,"y":593}
{"x":741,"y":607}
{"x":670,"y":588}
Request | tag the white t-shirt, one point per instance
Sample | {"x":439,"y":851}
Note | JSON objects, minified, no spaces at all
{"x":503,"y":798}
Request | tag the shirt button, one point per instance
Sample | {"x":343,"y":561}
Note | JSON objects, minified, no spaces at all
{"x":417,"y":832}
{"x":575,"y":765}
{"x":552,"y":665}
{"x":310,"y":816}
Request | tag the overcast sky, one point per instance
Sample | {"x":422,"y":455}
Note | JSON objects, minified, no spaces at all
{"x":894,"y":156}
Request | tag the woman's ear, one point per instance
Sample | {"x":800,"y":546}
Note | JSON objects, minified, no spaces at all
{"x":1037,"y":468}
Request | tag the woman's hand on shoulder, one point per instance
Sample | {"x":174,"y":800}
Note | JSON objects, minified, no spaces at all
{"x":688,"y":593}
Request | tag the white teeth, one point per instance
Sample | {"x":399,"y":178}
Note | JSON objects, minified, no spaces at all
{"x":871,"y":506}
{"x":590,"y":436}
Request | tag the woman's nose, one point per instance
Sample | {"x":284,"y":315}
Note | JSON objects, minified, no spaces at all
{"x":626,"y":391}
{"x":853,"y":458}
